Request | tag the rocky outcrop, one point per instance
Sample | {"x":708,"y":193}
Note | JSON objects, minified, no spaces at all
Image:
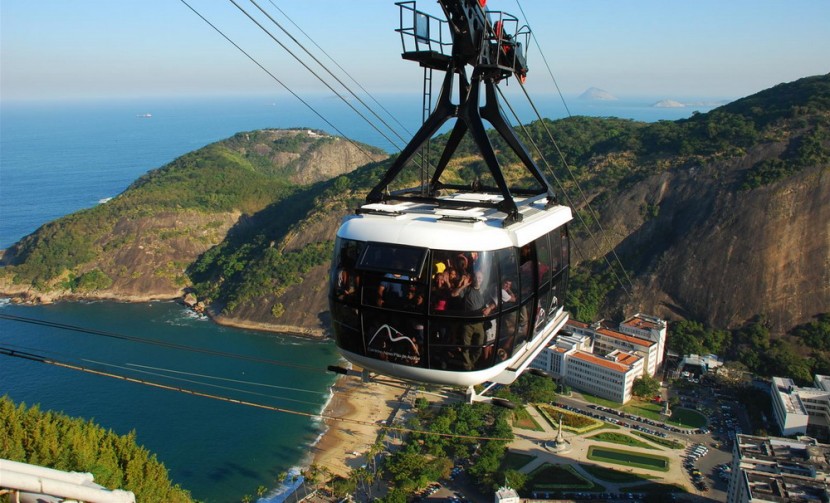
{"x":722,"y":255}
{"x":140,"y":251}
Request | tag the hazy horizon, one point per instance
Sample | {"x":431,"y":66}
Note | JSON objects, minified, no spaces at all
{"x":54,"y":50}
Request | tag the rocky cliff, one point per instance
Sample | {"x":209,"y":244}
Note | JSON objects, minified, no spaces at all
{"x":720,"y":255}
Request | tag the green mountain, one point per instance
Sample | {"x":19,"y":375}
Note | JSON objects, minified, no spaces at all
{"x":139,"y":245}
{"x":720,"y":218}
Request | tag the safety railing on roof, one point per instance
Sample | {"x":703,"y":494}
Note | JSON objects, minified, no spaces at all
{"x":422,"y":32}
{"x":507,"y":40}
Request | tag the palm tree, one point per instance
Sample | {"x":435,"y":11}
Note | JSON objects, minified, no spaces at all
{"x":360,"y":475}
{"x":313,"y":475}
{"x":326,"y":477}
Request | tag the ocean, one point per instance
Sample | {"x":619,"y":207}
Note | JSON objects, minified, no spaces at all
{"x":57,"y":158}
{"x":218,"y":450}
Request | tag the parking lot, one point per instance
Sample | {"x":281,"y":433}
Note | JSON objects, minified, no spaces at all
{"x":704,"y":463}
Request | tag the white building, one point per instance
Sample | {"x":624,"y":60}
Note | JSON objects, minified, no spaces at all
{"x":778,"y":470}
{"x":607,"y":341}
{"x":554,"y":359}
{"x":610,"y":376}
{"x":647,"y":327}
{"x":507,"y":495}
{"x":598,"y":360}
{"x":795,"y":408}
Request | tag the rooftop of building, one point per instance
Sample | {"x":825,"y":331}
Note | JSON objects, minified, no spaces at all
{"x":788,"y":455}
{"x":784,"y":488}
{"x":626,"y":338}
{"x":602,"y":362}
{"x":624,"y":358}
{"x":783,"y":469}
{"x":792,"y":403}
{"x":578,"y":324}
{"x":822,"y":382}
{"x":785,"y":385}
{"x":644,"y":322}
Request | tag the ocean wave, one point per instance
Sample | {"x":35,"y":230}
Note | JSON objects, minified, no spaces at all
{"x":293,"y":480}
{"x":184,"y":317}
{"x":5,"y":301}
{"x":104,"y":200}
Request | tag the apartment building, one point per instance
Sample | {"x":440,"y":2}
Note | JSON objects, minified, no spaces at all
{"x":769,"y":469}
{"x":798,"y":408}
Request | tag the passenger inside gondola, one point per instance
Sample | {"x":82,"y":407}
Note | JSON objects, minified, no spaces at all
{"x":391,"y":290}
{"x":347,"y":279}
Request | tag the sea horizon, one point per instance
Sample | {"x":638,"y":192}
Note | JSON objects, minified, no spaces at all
{"x":62,"y":156}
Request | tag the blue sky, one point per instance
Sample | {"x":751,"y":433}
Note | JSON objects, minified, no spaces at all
{"x":55,"y":49}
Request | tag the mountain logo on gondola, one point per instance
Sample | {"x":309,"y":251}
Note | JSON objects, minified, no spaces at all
{"x":391,"y":344}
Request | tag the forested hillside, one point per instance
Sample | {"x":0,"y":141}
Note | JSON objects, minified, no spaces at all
{"x":139,"y":245}
{"x":45,"y":438}
{"x":720,"y":219}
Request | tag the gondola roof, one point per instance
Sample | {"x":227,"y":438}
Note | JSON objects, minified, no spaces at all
{"x":474,"y":228}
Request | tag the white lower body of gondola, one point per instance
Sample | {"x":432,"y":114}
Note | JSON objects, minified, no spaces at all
{"x":502,"y":373}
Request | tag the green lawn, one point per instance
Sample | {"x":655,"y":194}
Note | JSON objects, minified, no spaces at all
{"x":577,"y":423}
{"x":680,"y":417}
{"x":550,"y":477}
{"x":621,"y":438}
{"x":665,"y":442}
{"x":614,"y":476}
{"x":523,"y":419}
{"x":628,"y":458}
{"x":687,"y":417}
{"x":515,"y":460}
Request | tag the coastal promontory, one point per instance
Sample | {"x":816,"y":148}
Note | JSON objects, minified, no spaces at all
{"x":720,"y":218}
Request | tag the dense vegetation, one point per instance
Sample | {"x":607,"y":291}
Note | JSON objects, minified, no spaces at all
{"x":613,"y":154}
{"x":213,"y":179}
{"x":805,"y":350}
{"x":54,"y":440}
{"x":473,"y":435}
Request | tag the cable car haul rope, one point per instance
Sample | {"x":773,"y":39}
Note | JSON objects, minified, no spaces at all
{"x":41,"y":359}
{"x":448,"y":283}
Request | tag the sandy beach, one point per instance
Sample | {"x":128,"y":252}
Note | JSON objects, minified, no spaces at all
{"x":345,"y":443}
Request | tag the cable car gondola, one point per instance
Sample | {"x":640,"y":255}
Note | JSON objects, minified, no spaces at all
{"x":454,"y":284}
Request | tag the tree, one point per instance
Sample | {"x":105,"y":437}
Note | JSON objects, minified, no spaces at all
{"x":645,"y":386}
{"x":54,"y":440}
{"x":534,"y":389}
{"x":516,"y":479}
{"x":396,"y":496}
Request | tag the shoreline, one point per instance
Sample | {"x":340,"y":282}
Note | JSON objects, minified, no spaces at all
{"x":28,"y":297}
{"x":352,"y":418}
